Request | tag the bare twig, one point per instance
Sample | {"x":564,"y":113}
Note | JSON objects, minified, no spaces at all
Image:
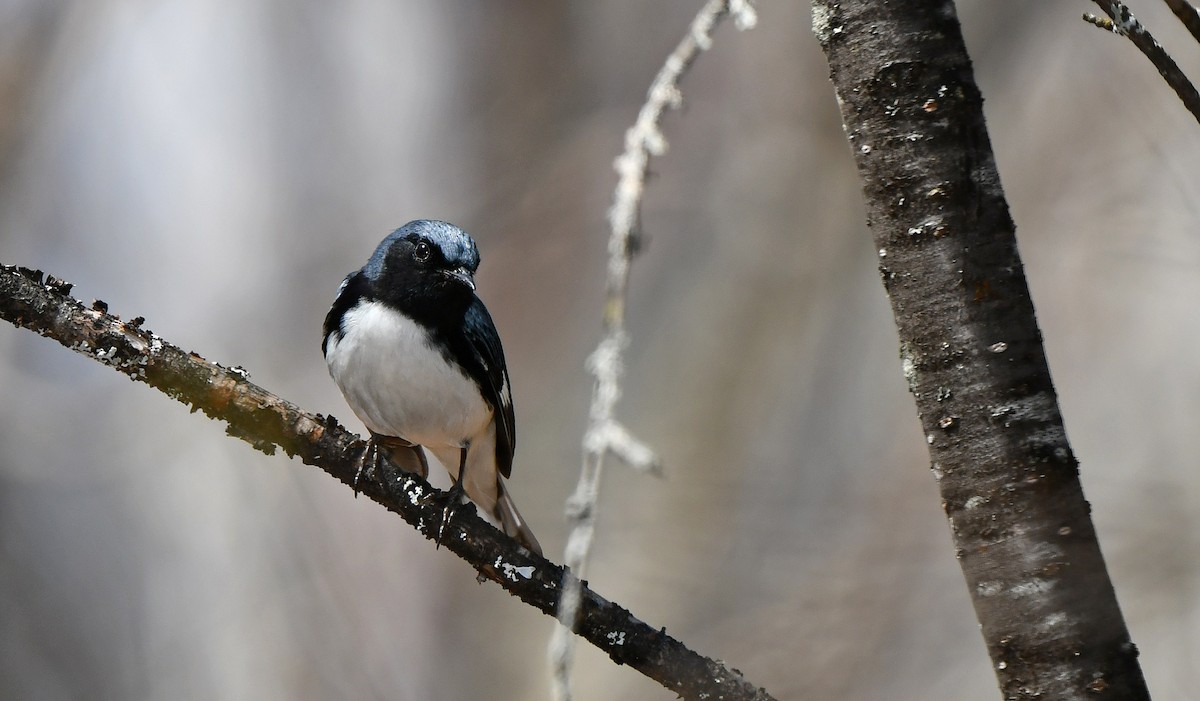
{"x":1122,"y":22}
{"x":1187,"y":14}
{"x":604,"y":433}
{"x":42,"y":304}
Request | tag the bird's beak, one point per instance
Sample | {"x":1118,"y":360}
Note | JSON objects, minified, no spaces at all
{"x":461,"y":275}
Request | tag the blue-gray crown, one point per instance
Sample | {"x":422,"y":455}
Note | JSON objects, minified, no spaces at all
{"x":457,"y":246}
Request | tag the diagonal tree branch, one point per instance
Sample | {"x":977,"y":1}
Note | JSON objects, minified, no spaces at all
{"x":42,"y":304}
{"x":972,"y":352}
{"x":1187,"y":14}
{"x":1121,"y":21}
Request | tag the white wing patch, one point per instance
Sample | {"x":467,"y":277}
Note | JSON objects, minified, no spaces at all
{"x":505,"y":394}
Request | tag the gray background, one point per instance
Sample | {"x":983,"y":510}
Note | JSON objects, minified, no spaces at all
{"x":218,"y":166}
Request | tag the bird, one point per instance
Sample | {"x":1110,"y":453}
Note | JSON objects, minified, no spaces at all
{"x":417,"y":357}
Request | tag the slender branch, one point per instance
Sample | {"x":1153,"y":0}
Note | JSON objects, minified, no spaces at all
{"x":972,"y":353}
{"x":604,"y":433}
{"x":1187,"y":14}
{"x":42,"y":304}
{"x":1122,"y":22}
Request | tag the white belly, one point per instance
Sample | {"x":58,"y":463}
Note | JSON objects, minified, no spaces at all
{"x":399,"y":384}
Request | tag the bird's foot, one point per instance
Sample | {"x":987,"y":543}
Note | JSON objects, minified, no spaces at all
{"x":370,"y":454}
{"x":453,"y":500}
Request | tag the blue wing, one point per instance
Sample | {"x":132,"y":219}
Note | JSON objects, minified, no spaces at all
{"x":485,"y":341}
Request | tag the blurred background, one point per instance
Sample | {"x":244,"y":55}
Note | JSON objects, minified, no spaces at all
{"x":217,"y":167}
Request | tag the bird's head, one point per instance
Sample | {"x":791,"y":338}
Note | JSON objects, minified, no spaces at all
{"x":424,"y":263}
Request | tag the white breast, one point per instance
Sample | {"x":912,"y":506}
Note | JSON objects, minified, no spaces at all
{"x":399,"y":384}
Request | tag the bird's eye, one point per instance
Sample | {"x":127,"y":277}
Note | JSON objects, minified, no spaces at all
{"x":422,"y":252}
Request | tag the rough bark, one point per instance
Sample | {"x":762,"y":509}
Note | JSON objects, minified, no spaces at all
{"x":972,"y":353}
{"x":42,"y":304}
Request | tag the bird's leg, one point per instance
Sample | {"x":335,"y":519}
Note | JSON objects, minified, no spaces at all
{"x":371,"y":454}
{"x":454,"y":496}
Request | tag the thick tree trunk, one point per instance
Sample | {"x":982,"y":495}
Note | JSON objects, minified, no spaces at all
{"x":972,"y":352}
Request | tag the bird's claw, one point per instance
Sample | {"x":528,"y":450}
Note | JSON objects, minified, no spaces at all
{"x":370,"y":454}
{"x":453,"y":501}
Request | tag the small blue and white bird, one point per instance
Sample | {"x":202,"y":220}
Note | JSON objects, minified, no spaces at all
{"x":418,"y":359}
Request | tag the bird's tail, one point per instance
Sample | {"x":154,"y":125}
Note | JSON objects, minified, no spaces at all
{"x":511,"y":520}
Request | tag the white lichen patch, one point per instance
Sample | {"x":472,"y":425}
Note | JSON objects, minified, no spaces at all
{"x":934,"y":226}
{"x":989,"y":588}
{"x":512,"y":572}
{"x":823,"y":22}
{"x":106,"y":355}
{"x":908,"y":366}
{"x":1053,"y":621}
{"x":616,"y":637}
{"x":975,"y":502}
{"x":1034,"y":587}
